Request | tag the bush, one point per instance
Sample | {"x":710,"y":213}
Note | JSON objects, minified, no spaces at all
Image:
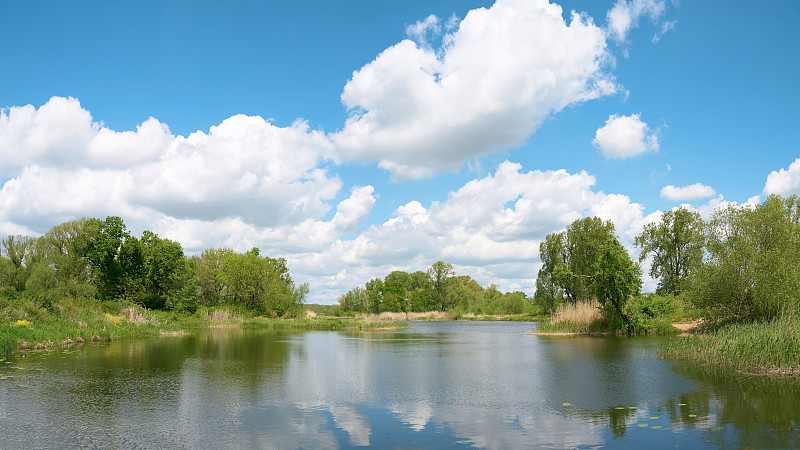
{"x":651,"y":312}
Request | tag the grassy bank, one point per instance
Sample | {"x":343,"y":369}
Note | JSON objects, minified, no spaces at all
{"x":771,"y":348}
{"x":586,"y":318}
{"x":449,"y":315}
{"x":36,"y":323}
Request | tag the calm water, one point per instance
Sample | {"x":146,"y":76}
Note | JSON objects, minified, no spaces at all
{"x":440,"y":384}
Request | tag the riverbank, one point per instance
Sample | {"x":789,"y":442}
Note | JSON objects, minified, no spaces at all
{"x":766,"y":349}
{"x":26,"y":325}
{"x":585,"y":319}
{"x":450,"y":315}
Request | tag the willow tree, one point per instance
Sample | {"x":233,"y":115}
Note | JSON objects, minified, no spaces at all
{"x":676,"y":246}
{"x":752,"y":267}
{"x":568,"y":260}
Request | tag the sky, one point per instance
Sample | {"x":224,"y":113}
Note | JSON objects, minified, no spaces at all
{"x":358,"y":137}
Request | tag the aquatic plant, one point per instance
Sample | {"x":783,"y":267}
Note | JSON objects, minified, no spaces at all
{"x":769,"y":348}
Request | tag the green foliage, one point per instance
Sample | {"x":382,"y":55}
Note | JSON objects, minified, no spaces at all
{"x":766,"y":348}
{"x":584,"y":246}
{"x":586,"y":261}
{"x":676,"y":245}
{"x":439,"y":273}
{"x":100,"y":259}
{"x":375,"y":295}
{"x":616,"y":279}
{"x":435,"y":289}
{"x":568,"y":262}
{"x":356,"y":299}
{"x":752,"y":268}
{"x":652,"y":312}
{"x":208,"y":271}
{"x":15,"y":270}
{"x":103,"y":254}
{"x":259,"y":283}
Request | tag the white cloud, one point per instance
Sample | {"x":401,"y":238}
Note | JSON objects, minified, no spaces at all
{"x":248,"y":183}
{"x":625,"y":136}
{"x":784,"y":181}
{"x":244,"y":183}
{"x":690,"y":192}
{"x":666,"y":26}
{"x":61,"y":133}
{"x":497,"y":77}
{"x":490,"y":228}
{"x":625,"y":15}
{"x":420,"y":30}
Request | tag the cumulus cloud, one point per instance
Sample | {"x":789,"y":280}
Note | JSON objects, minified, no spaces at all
{"x":499,"y":74}
{"x":490,"y":228}
{"x":60,"y":163}
{"x":625,"y":15}
{"x":61,"y":133}
{"x":625,"y":136}
{"x":248,"y":183}
{"x":690,"y":192}
{"x":784,"y":181}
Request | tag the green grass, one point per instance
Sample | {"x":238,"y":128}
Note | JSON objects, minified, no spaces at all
{"x":31,"y":322}
{"x":771,"y":348}
{"x":598,"y":326}
{"x":602,"y":326}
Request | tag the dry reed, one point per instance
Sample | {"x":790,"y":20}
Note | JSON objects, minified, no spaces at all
{"x":400,"y":316}
{"x":585,"y":312}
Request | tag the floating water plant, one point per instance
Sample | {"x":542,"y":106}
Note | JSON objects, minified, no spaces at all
{"x":716,"y":428}
{"x":655,"y":417}
{"x":692,"y":415}
{"x":643,"y":425}
{"x":566,"y":404}
{"x":657,"y":427}
{"x":465,"y":442}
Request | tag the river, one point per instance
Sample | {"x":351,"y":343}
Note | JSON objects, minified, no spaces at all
{"x":435,"y":385}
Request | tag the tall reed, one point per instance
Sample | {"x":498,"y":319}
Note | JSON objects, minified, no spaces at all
{"x":768,"y":348}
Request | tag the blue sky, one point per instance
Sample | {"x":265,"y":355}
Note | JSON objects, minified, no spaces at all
{"x":358,"y":137}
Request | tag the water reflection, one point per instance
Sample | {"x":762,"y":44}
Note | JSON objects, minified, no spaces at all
{"x":485,"y":385}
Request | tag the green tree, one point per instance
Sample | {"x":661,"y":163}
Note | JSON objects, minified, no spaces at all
{"x":568,"y":261}
{"x":752,"y":268}
{"x":616,"y":279}
{"x":375,"y":294}
{"x":17,"y":267}
{"x":166,"y":278}
{"x":676,"y":245}
{"x":103,"y":254}
{"x":439,"y":273}
{"x":356,"y":300}
{"x":208,"y":272}
{"x":584,"y":239}
{"x":553,"y":253}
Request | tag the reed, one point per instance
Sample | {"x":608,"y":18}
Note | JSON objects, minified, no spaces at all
{"x":769,"y":348}
{"x":585,"y":312}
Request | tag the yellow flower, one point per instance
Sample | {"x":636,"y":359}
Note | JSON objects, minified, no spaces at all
{"x":114,"y":319}
{"x":22,"y":323}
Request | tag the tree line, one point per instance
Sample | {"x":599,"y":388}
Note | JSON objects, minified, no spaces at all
{"x":438,"y":288}
{"x":741,"y":265}
{"x":101,"y":259}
